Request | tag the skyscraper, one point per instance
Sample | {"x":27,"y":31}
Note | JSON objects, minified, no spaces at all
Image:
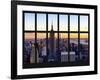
{"x":52,"y":39}
{"x":52,"y":43}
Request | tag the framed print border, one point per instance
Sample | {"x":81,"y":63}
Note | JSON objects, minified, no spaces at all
{"x":14,"y":40}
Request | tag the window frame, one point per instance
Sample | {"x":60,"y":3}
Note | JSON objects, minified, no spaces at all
{"x":67,"y":32}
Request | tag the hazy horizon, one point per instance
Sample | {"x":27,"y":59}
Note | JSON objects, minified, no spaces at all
{"x":62,"y":35}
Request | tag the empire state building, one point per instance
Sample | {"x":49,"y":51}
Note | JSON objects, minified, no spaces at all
{"x":52,"y":41}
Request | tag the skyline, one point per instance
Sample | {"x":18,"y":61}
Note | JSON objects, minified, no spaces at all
{"x":62,"y":35}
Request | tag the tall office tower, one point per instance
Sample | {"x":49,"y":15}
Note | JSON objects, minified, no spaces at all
{"x":52,"y":40}
{"x":52,"y":43}
{"x":34,"y":56}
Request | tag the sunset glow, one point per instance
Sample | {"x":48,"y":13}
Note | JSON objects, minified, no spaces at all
{"x":29,"y":35}
{"x":73,"y":35}
{"x":61,"y":35}
{"x":84,"y":35}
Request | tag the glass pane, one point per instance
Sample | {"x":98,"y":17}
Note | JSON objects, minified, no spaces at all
{"x":83,"y":23}
{"x":63,"y":23}
{"x":41,"y":48}
{"x":84,"y":46}
{"x":52,"y":46}
{"x":52,"y":22}
{"x":63,"y":46}
{"x":41,"y":22}
{"x":73,"y":47}
{"x":29,"y":48}
{"x":73,"y":23}
{"x":29,"y":21}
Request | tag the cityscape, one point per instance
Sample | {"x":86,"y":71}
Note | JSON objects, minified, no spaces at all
{"x":53,"y":47}
{"x":39,"y":52}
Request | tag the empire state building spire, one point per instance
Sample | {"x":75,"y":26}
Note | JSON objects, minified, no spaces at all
{"x":52,"y":26}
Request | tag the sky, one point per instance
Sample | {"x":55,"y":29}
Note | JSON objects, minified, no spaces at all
{"x":41,"y":22}
{"x":73,"y":23}
{"x":29,"y":21}
{"x":63,"y":22}
{"x":52,"y":20}
{"x":84,"y":23}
